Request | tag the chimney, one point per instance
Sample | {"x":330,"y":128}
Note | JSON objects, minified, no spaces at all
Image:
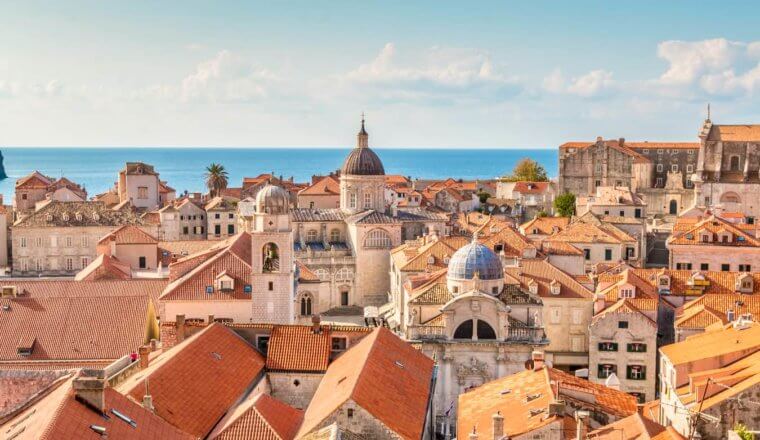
{"x":89,"y":388}
{"x":153,"y":344}
{"x":498,"y":426}
{"x":557,"y":408}
{"x":473,"y":434}
{"x":621,"y":142}
{"x":180,"y":323}
{"x":599,"y":140}
{"x":538,"y":359}
{"x":144,"y":352}
{"x":599,"y":303}
{"x":316,"y":328}
{"x":210,"y":319}
{"x":147,"y":402}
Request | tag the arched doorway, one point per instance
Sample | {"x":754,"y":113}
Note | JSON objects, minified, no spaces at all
{"x":673,"y":210}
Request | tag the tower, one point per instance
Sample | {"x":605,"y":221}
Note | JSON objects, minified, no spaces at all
{"x":272,"y":260}
{"x":362,"y":178}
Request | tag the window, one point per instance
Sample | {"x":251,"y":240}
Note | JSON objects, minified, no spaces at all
{"x":598,"y":183}
{"x":608,"y":346}
{"x":555,"y":315}
{"x":637,"y":213}
{"x":659,"y":151}
{"x":69,"y":241}
{"x":577,"y":316}
{"x":143,"y":262}
{"x":270,"y":286}
{"x":352,"y":200}
{"x":605,"y":370}
{"x":344,"y":298}
{"x":262,"y":343}
{"x":69,"y":264}
{"x":630,"y":253}
{"x":659,"y":167}
{"x":39,"y":265}
{"x":627,"y":292}
{"x":608,"y":254}
{"x":622,"y":324}
{"x":185,"y":230}
{"x":142,"y":192}
{"x":745,"y":268}
{"x":24,"y":265}
{"x":674,"y":168}
{"x":367,"y":201}
{"x":350,"y":413}
{"x":637,"y":347}
{"x":622,"y":213}
{"x":658,"y":183}
{"x":311,"y":236}
{"x":335,"y":236}
{"x":725,"y":267}
{"x":377,"y":239}
{"x":306,"y":305}
{"x":587,"y":254}
{"x":231,"y":215}
{"x":338,"y":344}
{"x":704,"y":266}
{"x":22,"y":242}
{"x":689,"y":167}
{"x":636,"y":372}
{"x":217,"y":230}
{"x":734,"y":163}
{"x":683,"y":266}
{"x":39,"y":241}
{"x":231,"y":229}
{"x":84,"y":241}
{"x":85,"y":262}
{"x":23,"y":196}
{"x":53,"y":241}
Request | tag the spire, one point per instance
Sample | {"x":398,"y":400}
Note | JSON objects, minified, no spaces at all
{"x":708,"y":111}
{"x":362,"y":139}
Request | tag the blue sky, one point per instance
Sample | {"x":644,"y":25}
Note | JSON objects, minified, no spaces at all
{"x":428,"y":73}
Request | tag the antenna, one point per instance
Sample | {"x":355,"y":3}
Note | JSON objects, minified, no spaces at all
{"x":708,"y":111}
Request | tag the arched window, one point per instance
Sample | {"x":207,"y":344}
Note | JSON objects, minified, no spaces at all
{"x":270,"y":257}
{"x":464,"y":331}
{"x":734,"y":163}
{"x":323,"y":274}
{"x":311,"y":236}
{"x":485,"y":331}
{"x":730,"y":197}
{"x":377,"y":239}
{"x":335,"y":236}
{"x":306,"y":304}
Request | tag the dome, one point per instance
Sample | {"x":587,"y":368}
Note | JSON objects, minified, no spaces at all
{"x":272,"y":199}
{"x":362,"y":162}
{"x":475,"y":258}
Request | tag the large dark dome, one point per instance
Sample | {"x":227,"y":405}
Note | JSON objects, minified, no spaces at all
{"x":362,"y":162}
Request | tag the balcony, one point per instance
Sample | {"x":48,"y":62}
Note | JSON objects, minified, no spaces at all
{"x":527,"y":335}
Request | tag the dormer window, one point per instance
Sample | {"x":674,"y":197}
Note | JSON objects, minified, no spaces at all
{"x":431,"y":260}
{"x":446,"y":260}
{"x":95,"y":216}
{"x":78,"y":216}
{"x":627,"y":292}
{"x":224,"y":282}
{"x":725,"y":238}
{"x":65,"y":217}
{"x":49,"y":217}
{"x":745,"y":283}
{"x":533,"y":288}
{"x":535,"y":230}
{"x":705,"y":237}
{"x":555,"y":287}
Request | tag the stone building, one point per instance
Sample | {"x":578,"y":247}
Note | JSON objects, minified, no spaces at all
{"x":713,"y":244}
{"x":182,"y":219}
{"x":728,"y":168}
{"x":221,"y":215}
{"x":322,"y":194}
{"x":140,"y":185}
{"x":60,"y":238}
{"x":531,"y":197}
{"x":36,"y":187}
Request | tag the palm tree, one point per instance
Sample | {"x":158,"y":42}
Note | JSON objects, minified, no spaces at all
{"x":216,"y":178}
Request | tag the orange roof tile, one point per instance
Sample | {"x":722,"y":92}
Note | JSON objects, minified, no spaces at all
{"x":635,"y":427}
{"x":195,"y":383}
{"x":735,"y":133}
{"x":383,"y":375}
{"x":327,"y":186}
{"x":543,"y":273}
{"x":713,"y":344}
{"x":545,"y":225}
{"x":129,"y":234}
{"x":260,"y":417}
{"x":712,"y":226}
{"x":105,"y":267}
{"x":531,"y":187}
{"x":298,"y":348}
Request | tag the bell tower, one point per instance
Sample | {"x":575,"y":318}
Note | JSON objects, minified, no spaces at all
{"x":272,"y":260}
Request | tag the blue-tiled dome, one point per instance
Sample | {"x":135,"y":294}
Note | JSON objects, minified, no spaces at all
{"x":473,"y":258}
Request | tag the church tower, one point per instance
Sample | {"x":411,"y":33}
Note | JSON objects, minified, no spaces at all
{"x":362,"y":178}
{"x":272,"y":259}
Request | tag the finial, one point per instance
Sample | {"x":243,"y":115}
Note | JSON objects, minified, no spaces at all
{"x":708,"y":111}
{"x":362,"y":141}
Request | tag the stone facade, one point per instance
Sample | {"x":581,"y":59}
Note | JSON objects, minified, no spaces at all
{"x":294,"y":388}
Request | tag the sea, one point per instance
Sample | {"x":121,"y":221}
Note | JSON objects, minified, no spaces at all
{"x":183,"y":168}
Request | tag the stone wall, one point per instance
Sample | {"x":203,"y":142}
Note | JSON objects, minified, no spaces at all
{"x":294,"y":388}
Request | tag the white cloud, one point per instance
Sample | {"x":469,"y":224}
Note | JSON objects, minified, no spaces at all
{"x":439,"y":74}
{"x":226,"y":78}
{"x":592,"y":84}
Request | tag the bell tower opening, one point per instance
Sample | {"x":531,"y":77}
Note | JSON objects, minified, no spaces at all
{"x":270,"y":257}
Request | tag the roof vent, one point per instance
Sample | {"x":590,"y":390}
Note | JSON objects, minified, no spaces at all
{"x":535,"y":412}
{"x":399,"y":364}
{"x":507,"y":391}
{"x":99,"y":429}
{"x":532,"y":397}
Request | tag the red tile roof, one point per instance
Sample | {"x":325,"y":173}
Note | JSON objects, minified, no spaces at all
{"x":383,"y":375}
{"x":35,"y":180}
{"x":129,"y":234}
{"x":260,"y":417}
{"x":327,"y":186}
{"x":195,"y":383}
{"x":105,"y":267}
{"x":543,"y":273}
{"x":545,"y":225}
{"x":531,"y":187}
{"x":635,"y":427}
{"x":714,"y":226}
{"x":59,"y":415}
{"x":735,"y":133}
{"x":298,"y":348}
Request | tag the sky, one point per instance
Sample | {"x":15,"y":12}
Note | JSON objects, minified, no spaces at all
{"x":427,"y":73}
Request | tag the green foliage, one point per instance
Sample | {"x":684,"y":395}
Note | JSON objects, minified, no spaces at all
{"x":743,"y":432}
{"x":542,"y":213}
{"x":216,"y":178}
{"x":527,"y":170}
{"x":483,"y":196}
{"x":564,"y":204}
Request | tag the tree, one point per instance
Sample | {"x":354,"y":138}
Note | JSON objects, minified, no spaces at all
{"x":483,"y":196}
{"x":216,"y":179}
{"x":564,"y":204}
{"x":743,"y":432}
{"x":527,"y":170}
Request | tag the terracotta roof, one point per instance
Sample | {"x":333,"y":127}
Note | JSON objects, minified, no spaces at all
{"x":420,"y":255}
{"x":221,"y":203}
{"x":710,"y":309}
{"x":72,"y":214}
{"x":582,"y":232}
{"x":559,"y":248}
{"x":714,"y":226}
{"x":233,"y":260}
{"x":187,"y":247}
{"x":301,"y":215}
{"x":433,"y":291}
{"x":523,"y":398}
{"x":396,"y":179}
{"x":306,"y":275}
{"x":640,"y":145}
{"x":613,"y":143}
{"x":713,"y":344}
{"x":384,"y":376}
{"x":531,"y":187}
{"x":105,"y":267}
{"x":543,"y":274}
{"x":60,"y":415}
{"x":139,"y":168}
{"x":699,"y":317}
{"x":512,"y":242}
{"x":196,"y":382}
{"x":34,"y":180}
{"x":623,"y":306}
{"x":19,"y":388}
{"x":372,"y":217}
{"x":635,"y":427}
{"x":327,"y":186}
{"x":260,"y":417}
{"x":743,"y":375}
{"x":545,"y":225}
{"x":735,"y":133}
{"x":298,"y":348}
{"x":681,"y":281}
{"x":129,"y":234}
